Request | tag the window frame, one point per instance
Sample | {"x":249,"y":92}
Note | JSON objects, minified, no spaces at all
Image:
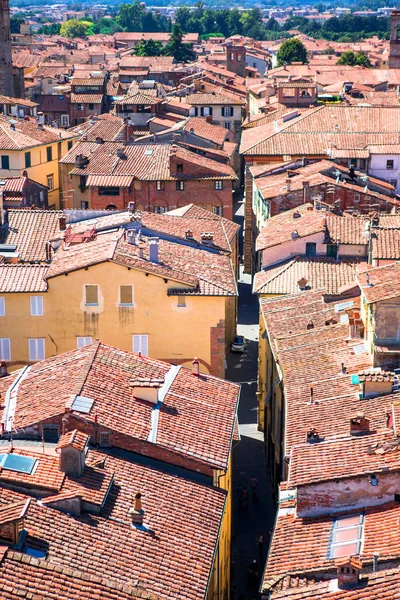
{"x":180,"y":185}
{"x":80,"y":343}
{"x":112,"y":191}
{"x":50,"y":182}
{"x":91,"y":285}
{"x":390,"y":160}
{"x":37,"y":355}
{"x":217,"y":210}
{"x":2,"y":306}
{"x":160,"y":186}
{"x":143,"y":339}
{"x":5,"y":342}
{"x":218,"y":185}
{"x":36,"y":306}
{"x":128,"y":304}
{"x":5,"y":158}
{"x":28,"y":160}
{"x":49,"y":153}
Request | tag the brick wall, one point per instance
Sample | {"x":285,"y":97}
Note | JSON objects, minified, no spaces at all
{"x":146,"y":196}
{"x":217,"y":340}
{"x":248,"y":219}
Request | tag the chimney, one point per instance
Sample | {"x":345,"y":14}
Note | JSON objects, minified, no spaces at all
{"x":189,"y":234}
{"x":207,"y":239}
{"x":359,"y":424}
{"x":288,"y":184}
{"x":121,"y":154}
{"x":49,"y":249}
{"x":81,"y":161}
{"x":310,"y":325}
{"x":3,"y":369}
{"x":311,"y":395}
{"x":313,"y":436}
{"x":132,"y":236}
{"x":153,"y":249}
{"x":137,"y":512}
{"x":62,"y":223}
{"x":196,"y":367}
{"x":375,"y":562}
{"x":343,"y":369}
{"x":306,"y":189}
{"x":348,"y":572}
{"x":72,"y":447}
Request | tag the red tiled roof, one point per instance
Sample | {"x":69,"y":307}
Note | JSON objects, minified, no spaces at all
{"x":13,"y":512}
{"x":86,"y":98}
{"x":206,"y":130}
{"x":27,"y":134}
{"x":209,"y":99}
{"x":30,"y":229}
{"x":380,"y":283}
{"x":75,"y":438}
{"x":320,"y":273}
{"x":22,"y":278}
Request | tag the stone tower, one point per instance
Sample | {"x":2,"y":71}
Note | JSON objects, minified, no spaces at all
{"x":236,"y":59}
{"x":6,"y":77}
{"x":394,"y":50}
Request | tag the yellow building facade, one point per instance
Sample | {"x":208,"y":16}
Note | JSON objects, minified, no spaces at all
{"x":129,"y":309}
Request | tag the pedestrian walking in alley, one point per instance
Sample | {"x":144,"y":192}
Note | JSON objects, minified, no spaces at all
{"x":260,"y":544}
{"x":245,"y":498}
{"x":254,"y":487}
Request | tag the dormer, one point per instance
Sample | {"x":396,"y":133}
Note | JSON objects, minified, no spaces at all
{"x":12,"y":521}
{"x":146,"y":388}
{"x":72,"y":447}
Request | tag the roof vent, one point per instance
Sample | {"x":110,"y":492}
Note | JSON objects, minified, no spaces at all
{"x":359,"y":424}
{"x":207,"y":239}
{"x":62,"y":223}
{"x":137,"y":512}
{"x":313,"y":436}
{"x":295,"y":235}
{"x":81,"y":161}
{"x":153,"y":249}
{"x":147,"y":388}
{"x":196,"y":367}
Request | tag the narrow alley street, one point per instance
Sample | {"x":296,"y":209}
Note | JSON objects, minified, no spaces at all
{"x":248,"y":456}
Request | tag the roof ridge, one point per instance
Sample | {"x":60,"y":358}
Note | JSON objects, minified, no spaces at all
{"x":284,"y":268}
{"x":87,"y":365}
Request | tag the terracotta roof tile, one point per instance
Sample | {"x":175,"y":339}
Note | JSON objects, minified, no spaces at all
{"x":22,"y":278}
{"x":380,"y":283}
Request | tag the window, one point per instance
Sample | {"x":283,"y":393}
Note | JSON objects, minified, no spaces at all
{"x":160,"y":186}
{"x":49,"y":81}
{"x":390,"y":164}
{"x":79,"y":106}
{"x":50,"y":182}
{"x":159,"y":210}
{"x":206,"y":111}
{"x":353,"y":162}
{"x":5,"y":349}
{"x":227,"y":125}
{"x":27,"y":160}
{"x":232,"y":56}
{"x":2,"y":306}
{"x":49,"y":153}
{"x":126,"y":295}
{"x":5,"y":162}
{"x":217,"y":210}
{"x":84,"y":204}
{"x":362,"y":163}
{"x":108,"y":191}
{"x":311,"y":249}
{"x":179,"y":168}
{"x":181,"y":301}
{"x":356,"y":198}
{"x":37,"y":306}
{"x":346,"y":535}
{"x":91,"y":295}
{"x":227,"y":111}
{"x":69,"y":145}
{"x":331,"y":250}
{"x":91,"y":106}
{"x":239,"y":57}
{"x":218,"y":185}
{"x":180,"y":186}
{"x":65,"y":123}
{"x":140,"y":343}
{"x":83,"y":341}
{"x":105,"y":439}
{"x":36,"y":349}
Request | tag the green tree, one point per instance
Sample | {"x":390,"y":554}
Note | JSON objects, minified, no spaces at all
{"x":182,"y":17}
{"x":131,"y":16}
{"x":15,"y":24}
{"x":74,"y":28}
{"x":352,"y":58}
{"x":149,"y":48}
{"x":272,"y":25}
{"x":176,"y":48}
{"x":292,"y":50}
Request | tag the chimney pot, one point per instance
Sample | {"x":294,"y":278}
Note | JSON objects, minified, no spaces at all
{"x":137,"y":512}
{"x":359,"y":424}
{"x":348,"y":572}
{"x":153,"y":249}
{"x":344,"y":369}
{"x":196,"y":367}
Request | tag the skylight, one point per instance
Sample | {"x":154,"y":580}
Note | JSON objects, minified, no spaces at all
{"x":346,"y":536}
{"x":18,"y":463}
{"x":343,"y":305}
{"x":148,"y":152}
{"x":82,"y":404}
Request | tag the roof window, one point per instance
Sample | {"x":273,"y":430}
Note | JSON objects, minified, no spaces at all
{"x":346,"y":536}
{"x":18,"y":463}
{"x":82,"y":404}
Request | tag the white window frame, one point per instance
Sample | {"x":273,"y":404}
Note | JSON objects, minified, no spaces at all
{"x":133,"y":298}
{"x":227,"y":125}
{"x":217,"y":210}
{"x":228,"y":111}
{"x":140,"y":343}
{"x":50,"y":182}
{"x":36,"y":304}
{"x":85,"y":290}
{"x":5,"y":349}
{"x":218,"y":185}
{"x":206,"y":111}
{"x":64,"y":120}
{"x":160,"y":210}
{"x":2,"y":306}
{"x":37,"y":349}
{"x":82,"y":341}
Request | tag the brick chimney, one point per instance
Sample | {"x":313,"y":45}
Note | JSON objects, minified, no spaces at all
{"x":359,"y":424}
{"x":62,"y":223}
{"x":72,"y":447}
{"x":153,"y":249}
{"x":3,"y":369}
{"x":348,"y":572}
{"x":137,"y":512}
{"x":196,"y":367}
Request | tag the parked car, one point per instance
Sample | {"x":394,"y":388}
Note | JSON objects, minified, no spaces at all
{"x":238,"y":344}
